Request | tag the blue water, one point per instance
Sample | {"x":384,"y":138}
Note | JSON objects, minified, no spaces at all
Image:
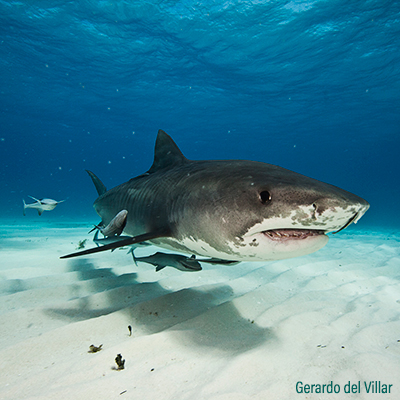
{"x":312,"y":86}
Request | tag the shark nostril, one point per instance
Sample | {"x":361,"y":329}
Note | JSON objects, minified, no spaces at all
{"x":314,"y":214}
{"x":320,"y":206}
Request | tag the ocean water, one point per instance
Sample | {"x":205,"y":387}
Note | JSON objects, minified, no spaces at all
{"x":312,"y":86}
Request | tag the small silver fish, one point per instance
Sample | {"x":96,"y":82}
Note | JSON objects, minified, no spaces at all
{"x":42,"y":205}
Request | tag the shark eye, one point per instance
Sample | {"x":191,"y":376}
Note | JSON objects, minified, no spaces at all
{"x":265,"y":197}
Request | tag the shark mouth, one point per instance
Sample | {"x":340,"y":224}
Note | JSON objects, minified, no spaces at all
{"x":300,"y":234}
{"x":291,"y":234}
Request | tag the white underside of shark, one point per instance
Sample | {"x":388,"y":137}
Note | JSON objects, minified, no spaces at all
{"x":275,"y":238}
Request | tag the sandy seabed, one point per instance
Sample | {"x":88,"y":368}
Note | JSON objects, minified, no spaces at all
{"x":248,"y":331}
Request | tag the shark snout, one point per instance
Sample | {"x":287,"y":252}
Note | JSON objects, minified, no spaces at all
{"x":324,"y":204}
{"x":339,"y":212}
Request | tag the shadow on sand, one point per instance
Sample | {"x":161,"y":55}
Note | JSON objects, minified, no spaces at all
{"x":207,"y":314}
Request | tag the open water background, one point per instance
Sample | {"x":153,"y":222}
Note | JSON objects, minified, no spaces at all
{"x":312,"y":86}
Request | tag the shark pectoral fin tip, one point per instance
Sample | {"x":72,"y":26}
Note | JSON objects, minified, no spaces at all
{"x":119,"y":243}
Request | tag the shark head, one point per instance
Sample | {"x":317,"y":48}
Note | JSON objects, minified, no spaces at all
{"x":249,"y":210}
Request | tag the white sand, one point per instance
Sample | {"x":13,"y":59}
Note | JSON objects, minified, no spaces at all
{"x":249,"y":331}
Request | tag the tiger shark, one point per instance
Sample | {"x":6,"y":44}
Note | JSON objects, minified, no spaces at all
{"x":233,"y":210}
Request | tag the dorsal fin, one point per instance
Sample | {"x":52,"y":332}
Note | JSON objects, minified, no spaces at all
{"x":166,"y":153}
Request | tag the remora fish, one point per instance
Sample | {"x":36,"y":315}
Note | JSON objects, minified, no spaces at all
{"x":229,"y":210}
{"x":42,"y":205}
{"x":162,"y":260}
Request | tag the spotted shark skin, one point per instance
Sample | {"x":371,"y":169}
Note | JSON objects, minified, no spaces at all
{"x":226,"y":209}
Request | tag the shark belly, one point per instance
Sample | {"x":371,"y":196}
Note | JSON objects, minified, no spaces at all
{"x":258,"y":247}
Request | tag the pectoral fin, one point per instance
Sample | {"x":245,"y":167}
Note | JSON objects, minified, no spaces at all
{"x":34,"y":198}
{"x":127,"y":242}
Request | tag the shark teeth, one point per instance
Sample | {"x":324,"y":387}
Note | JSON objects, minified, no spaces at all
{"x":292,"y":234}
